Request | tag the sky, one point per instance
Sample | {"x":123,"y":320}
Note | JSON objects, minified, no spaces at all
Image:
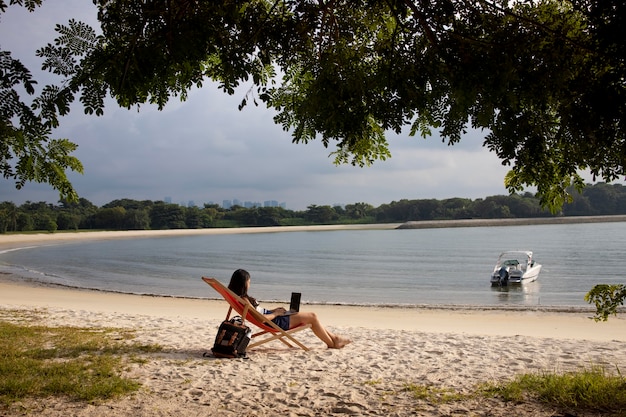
{"x":205,"y":150}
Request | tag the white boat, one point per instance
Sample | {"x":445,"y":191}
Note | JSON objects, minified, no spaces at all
{"x":515,"y":267}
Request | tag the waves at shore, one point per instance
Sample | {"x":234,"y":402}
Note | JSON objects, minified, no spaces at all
{"x":21,"y":279}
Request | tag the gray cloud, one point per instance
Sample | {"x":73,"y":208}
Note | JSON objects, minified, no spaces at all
{"x":206,"y":150}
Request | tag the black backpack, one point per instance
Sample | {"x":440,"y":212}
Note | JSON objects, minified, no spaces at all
{"x":232,"y":339}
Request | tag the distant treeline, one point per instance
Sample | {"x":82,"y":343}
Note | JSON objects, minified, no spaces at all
{"x":126,"y":214}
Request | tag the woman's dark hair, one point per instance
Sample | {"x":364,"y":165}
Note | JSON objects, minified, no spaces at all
{"x":238,"y":284}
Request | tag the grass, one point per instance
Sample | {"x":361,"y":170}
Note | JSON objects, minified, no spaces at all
{"x":372,"y":382}
{"x":77,"y":363}
{"x":592,"y":389}
{"x":88,"y":365}
{"x":434,"y":395}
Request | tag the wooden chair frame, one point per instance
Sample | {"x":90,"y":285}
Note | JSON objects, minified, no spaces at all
{"x":268,"y":329}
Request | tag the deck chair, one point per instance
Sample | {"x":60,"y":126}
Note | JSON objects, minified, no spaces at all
{"x":268,"y":329}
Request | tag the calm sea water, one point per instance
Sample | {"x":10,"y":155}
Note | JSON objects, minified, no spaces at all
{"x":449,"y":266}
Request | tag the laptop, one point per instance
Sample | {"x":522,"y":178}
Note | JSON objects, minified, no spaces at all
{"x":294,"y":306}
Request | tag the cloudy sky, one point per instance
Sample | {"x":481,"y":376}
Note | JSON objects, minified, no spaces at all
{"x":206,"y":150}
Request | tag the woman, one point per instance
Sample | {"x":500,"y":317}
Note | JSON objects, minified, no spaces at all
{"x":240,"y":283}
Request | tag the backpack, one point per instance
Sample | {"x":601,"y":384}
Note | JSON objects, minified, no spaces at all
{"x":232,"y":339}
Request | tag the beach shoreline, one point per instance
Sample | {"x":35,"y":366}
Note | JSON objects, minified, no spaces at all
{"x":532,"y":322}
{"x":16,"y":273}
{"x":9,"y":242}
{"x":17,"y":240}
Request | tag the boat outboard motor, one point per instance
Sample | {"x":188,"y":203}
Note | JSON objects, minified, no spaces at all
{"x":503,"y":273}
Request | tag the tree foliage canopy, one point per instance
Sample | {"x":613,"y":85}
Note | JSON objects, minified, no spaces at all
{"x":27,"y":153}
{"x":544,"y":79}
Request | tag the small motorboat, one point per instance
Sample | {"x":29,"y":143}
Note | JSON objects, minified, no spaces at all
{"x":515,"y":267}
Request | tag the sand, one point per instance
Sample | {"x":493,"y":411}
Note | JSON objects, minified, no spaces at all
{"x":443,"y":348}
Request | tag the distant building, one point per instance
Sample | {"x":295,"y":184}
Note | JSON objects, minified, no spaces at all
{"x":228,"y":204}
{"x":251,"y":204}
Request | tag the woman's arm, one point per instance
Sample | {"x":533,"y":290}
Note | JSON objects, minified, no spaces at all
{"x":272,"y":314}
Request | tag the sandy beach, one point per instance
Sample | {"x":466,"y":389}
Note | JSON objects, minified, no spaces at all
{"x":453,"y":349}
{"x":20,"y":240}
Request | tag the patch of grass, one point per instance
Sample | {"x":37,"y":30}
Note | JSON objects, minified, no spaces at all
{"x":82,"y":364}
{"x":592,"y":389}
{"x":433,"y":394}
{"x":372,"y":382}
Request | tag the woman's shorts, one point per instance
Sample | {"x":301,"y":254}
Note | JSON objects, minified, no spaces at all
{"x":282,"y":322}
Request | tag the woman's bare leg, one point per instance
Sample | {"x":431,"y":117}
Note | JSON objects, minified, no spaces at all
{"x":339,"y":341}
{"x":331,"y":340}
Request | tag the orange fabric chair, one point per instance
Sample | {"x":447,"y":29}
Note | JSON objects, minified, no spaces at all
{"x":268,"y":329}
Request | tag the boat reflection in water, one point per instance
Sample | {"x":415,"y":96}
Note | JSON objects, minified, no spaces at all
{"x":528,"y":294}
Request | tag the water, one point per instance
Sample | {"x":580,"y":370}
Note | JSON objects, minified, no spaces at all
{"x":449,"y":266}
